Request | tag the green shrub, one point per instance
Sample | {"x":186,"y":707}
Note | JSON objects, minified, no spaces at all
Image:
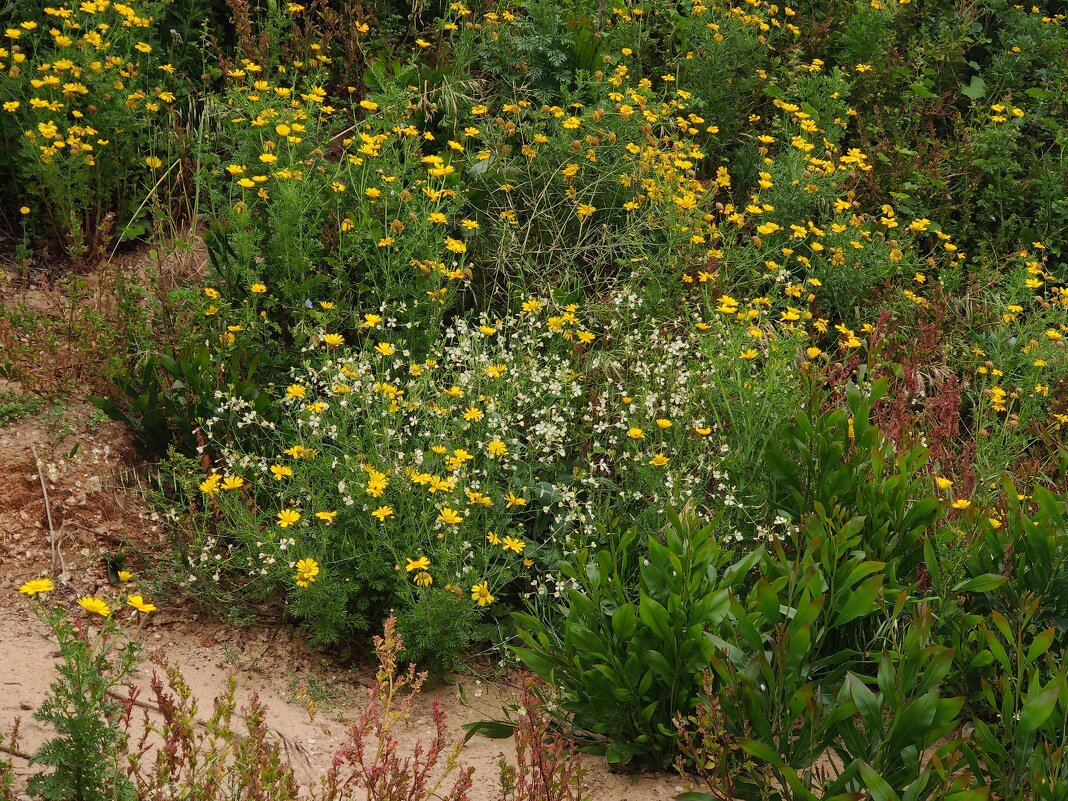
{"x":632,"y":640}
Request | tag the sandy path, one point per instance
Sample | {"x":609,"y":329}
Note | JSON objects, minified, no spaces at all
{"x":262,"y":661}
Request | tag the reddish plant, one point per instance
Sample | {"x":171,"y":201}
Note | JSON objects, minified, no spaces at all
{"x":373,"y":760}
{"x":547,"y":767}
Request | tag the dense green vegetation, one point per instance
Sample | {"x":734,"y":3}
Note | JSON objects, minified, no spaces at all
{"x":708,"y":358}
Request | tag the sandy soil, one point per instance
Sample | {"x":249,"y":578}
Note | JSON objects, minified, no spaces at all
{"x":87,"y":468}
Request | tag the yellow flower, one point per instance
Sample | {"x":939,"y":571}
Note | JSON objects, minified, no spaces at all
{"x":233,"y":483}
{"x":472,"y":415}
{"x":585,"y":210}
{"x":635,"y":433}
{"x":258,"y":289}
{"x":704,"y":432}
{"x":961,"y":503}
{"x":385,"y":349}
{"x":492,"y":538}
{"x":812,"y":352}
{"x":153,"y":162}
{"x":326,"y":517}
{"x":281,"y":471}
{"x":210,"y":485}
{"x":449,"y":517}
{"x":307,"y":570}
{"x":659,"y":460}
{"x":943,"y":483}
{"x":481,"y":593}
{"x":382,"y":512}
{"x":748,"y":354}
{"x":513,"y":544}
{"x":496,"y":448}
{"x":35,"y":586}
{"x":422,"y":563}
{"x":295,"y":391}
{"x":288,"y":517}
{"x":139,"y":603}
{"x":511,"y":499}
{"x":663,"y":423}
{"x":371,"y":320}
{"x":423,"y":579}
{"x":94,"y":606}
{"x":333,"y":340}
{"x":125,"y":575}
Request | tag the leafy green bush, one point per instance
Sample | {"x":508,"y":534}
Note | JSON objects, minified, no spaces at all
{"x":839,"y":461}
{"x":632,"y":640}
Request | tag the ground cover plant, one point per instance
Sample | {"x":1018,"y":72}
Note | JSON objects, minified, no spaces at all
{"x":707,"y":359}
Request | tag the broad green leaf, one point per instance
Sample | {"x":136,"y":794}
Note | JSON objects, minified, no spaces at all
{"x":1038,"y":707}
{"x":655,"y":616}
{"x":624,"y":623}
{"x":1040,"y":644}
{"x":767,"y":601}
{"x":867,"y":704}
{"x":997,"y":649}
{"x":984,"y":583}
{"x":875,"y":784}
{"x":914,"y":723}
{"x":761,"y":751}
{"x":976,"y":89}
{"x":492,"y":729}
{"x":860,"y":602}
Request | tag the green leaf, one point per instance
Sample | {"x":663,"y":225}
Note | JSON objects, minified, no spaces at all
{"x":694,"y":796}
{"x":861,"y":571}
{"x":1040,"y":644}
{"x":1038,"y":707}
{"x":768,"y":601}
{"x":914,"y":724}
{"x":923,"y":91}
{"x":867,"y":704}
{"x":761,"y":751}
{"x":493,"y":729}
{"x":655,"y":616}
{"x":983,"y":583}
{"x":535,"y":661}
{"x":875,"y":784}
{"x":976,"y":89}
{"x":618,"y":753}
{"x":624,"y":622}
{"x":861,"y":602}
